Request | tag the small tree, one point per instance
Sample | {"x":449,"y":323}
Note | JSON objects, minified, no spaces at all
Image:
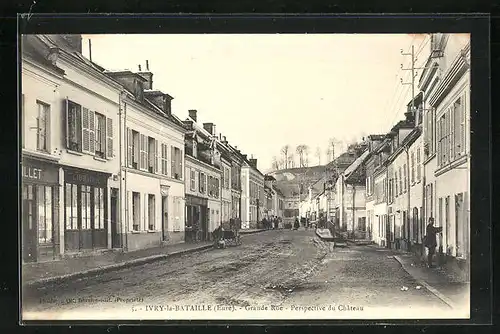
{"x":285,"y":151}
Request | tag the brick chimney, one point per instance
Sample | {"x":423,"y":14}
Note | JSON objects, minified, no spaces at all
{"x":192,"y":114}
{"x":74,"y":41}
{"x":253,"y":163}
{"x":132,"y":81}
{"x":161,"y":100}
{"x":210,"y":127}
{"x":146,"y":75}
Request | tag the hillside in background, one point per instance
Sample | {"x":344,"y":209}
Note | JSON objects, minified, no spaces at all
{"x":293,"y":181}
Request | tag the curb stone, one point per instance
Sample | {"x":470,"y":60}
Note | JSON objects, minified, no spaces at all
{"x":438,"y":294}
{"x":112,"y":267}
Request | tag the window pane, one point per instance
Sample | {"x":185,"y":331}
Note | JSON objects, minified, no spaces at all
{"x":48,"y":214}
{"x":41,"y":213}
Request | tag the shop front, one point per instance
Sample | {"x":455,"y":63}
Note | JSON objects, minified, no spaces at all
{"x":40,"y":208}
{"x":197,"y":216}
{"x":85,"y":210}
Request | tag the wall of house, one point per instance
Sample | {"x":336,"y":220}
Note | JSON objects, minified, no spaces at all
{"x":417,"y":226}
{"x":354,"y":198}
{"x":245,"y":197}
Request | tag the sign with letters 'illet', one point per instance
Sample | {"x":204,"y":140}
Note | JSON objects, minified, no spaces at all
{"x":35,"y":171}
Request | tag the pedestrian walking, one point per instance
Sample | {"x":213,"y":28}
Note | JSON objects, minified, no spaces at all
{"x":430,"y":240}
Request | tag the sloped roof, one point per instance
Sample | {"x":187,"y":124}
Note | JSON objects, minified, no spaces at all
{"x":356,"y":164}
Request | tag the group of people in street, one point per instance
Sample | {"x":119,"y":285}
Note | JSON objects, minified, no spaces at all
{"x":272,"y":222}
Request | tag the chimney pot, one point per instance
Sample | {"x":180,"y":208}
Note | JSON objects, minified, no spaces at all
{"x":139,"y":67}
{"x":147,"y":65}
{"x":210,"y":128}
{"x":192,"y":114}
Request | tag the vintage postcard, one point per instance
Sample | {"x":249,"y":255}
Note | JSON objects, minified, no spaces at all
{"x":245,"y":176}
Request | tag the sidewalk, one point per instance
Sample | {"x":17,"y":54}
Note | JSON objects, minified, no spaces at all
{"x":34,"y":274}
{"x":253,"y":230}
{"x":448,"y":284}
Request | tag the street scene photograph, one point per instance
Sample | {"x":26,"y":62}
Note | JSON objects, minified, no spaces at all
{"x":245,"y":176}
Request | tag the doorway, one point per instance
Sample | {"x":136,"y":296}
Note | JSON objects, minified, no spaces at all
{"x":30,"y":225}
{"x":115,"y":233}
{"x":164,"y":218}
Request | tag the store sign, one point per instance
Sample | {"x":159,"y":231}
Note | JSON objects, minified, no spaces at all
{"x":36,"y":171}
{"x":86,"y":178}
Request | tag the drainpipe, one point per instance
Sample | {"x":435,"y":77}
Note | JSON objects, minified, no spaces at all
{"x":123,"y":169}
{"x":353,"y":211}
{"x":408,"y":189}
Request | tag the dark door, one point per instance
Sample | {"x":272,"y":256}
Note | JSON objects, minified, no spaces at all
{"x":164,"y":218}
{"x":205,"y":221}
{"x":29,"y":223}
{"x":388,"y":234}
{"x":115,"y":233}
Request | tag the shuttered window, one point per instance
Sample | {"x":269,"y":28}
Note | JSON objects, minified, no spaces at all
{"x":109,"y":138}
{"x":164,"y":162}
{"x":74,"y":140}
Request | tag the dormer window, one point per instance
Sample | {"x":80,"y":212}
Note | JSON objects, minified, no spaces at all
{"x":195,"y":148}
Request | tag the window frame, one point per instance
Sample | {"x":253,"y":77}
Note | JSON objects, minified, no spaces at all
{"x":43,"y":108}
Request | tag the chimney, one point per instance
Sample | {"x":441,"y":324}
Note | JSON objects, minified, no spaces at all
{"x":147,"y":75}
{"x":132,"y":81}
{"x":253,"y":163}
{"x":192,"y":114}
{"x":244,"y":156}
{"x":210,"y":127}
{"x":224,"y":139}
{"x":74,"y":41}
{"x":161,"y":100}
{"x":410,"y":116}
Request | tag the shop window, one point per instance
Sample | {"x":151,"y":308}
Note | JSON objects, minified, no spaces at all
{"x":99,"y":208}
{"x":45,"y":226}
{"x":86,"y":207}
{"x":151,"y":212}
{"x":43,"y":126}
{"x":136,"y":210}
{"x":71,"y":215}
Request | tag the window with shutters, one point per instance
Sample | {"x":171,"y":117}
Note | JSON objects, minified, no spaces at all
{"x":100,"y":136}
{"x":151,"y":212}
{"x":134,"y":148}
{"x":74,"y":126}
{"x":143,"y":161}
{"x":176,"y":159}
{"x":202,"y":182}
{"x":136,"y":210}
{"x":88,"y":131}
{"x":400,"y":177}
{"x":164,"y":165}
{"x":43,"y":126}
{"x":217,"y":187}
{"x":459,"y":127}
{"x":193,"y":180}
{"x":153,"y":155}
{"x":210,"y":186}
{"x":109,"y":138}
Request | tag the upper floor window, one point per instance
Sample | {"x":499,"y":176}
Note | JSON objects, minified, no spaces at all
{"x":202,"y":182}
{"x":153,"y":155}
{"x":43,"y":125}
{"x":100,"y":136}
{"x":164,"y":163}
{"x":88,"y":131}
{"x":412,"y":162}
{"x":193,"y":180}
{"x":176,"y":159}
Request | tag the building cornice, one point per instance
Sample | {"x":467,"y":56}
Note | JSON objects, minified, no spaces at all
{"x":93,"y":73}
{"x":203,"y":164}
{"x":38,"y":65}
{"x":457,"y":69}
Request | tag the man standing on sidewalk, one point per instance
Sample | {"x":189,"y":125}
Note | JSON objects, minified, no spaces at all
{"x":430,"y":240}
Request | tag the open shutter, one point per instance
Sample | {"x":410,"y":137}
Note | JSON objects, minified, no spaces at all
{"x":130,"y":147}
{"x":109,"y":138}
{"x":136,"y":147}
{"x":179,"y":157}
{"x":92,"y":139}
{"x":172,"y":160}
{"x":68,"y":120}
{"x":85,"y":131}
{"x":156,"y":157}
{"x":142,"y":164}
{"x":463,"y":127}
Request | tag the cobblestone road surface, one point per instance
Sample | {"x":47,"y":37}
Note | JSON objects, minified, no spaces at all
{"x":289,"y":269}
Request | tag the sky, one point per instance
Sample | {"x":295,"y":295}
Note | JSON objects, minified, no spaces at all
{"x":265,"y":91}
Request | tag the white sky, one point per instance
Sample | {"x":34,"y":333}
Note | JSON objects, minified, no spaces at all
{"x":264,"y":91}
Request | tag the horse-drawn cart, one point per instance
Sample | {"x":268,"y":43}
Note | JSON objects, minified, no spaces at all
{"x":227,"y":234}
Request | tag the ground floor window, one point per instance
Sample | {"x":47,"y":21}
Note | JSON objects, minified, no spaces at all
{"x":45,"y":215}
{"x":151,"y":212}
{"x":136,"y":210}
{"x":84,"y":216}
